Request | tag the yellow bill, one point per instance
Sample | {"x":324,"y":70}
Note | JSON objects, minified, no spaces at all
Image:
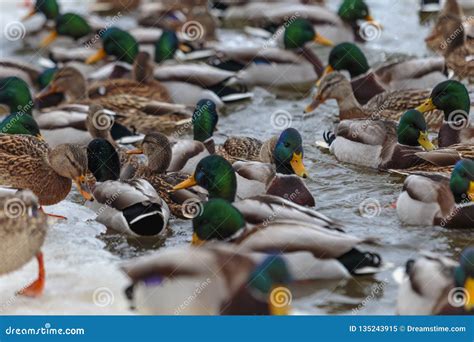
{"x":51,"y":89}
{"x":471,"y":191}
{"x":135,"y":151}
{"x":371,"y":20}
{"x":98,"y":56}
{"x":191,"y":181}
{"x":425,"y":142}
{"x":426,"y":106}
{"x":83,"y":188}
{"x":184,"y":47}
{"x":323,"y":40}
{"x":298,"y":166}
{"x":53,"y":35}
{"x":196,"y":240}
{"x":329,"y":69}
{"x":469,"y":288}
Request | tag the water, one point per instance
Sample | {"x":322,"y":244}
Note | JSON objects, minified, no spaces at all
{"x":82,"y":258}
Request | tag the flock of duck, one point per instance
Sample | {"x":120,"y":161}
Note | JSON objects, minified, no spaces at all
{"x":111,"y":111}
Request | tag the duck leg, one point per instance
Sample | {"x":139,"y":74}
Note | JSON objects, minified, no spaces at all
{"x":53,"y":215}
{"x":36,"y":288}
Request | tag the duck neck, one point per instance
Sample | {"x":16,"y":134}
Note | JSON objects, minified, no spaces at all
{"x":349,"y":107}
{"x":313,"y":59}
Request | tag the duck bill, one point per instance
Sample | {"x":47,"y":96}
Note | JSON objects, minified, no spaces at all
{"x":469,"y":288}
{"x":184,"y":48}
{"x":190,"y":182}
{"x":52,"y":36}
{"x":425,"y":142}
{"x":196,"y":241}
{"x":83,"y":188}
{"x":29,"y":15}
{"x":279,"y":311}
{"x":471,"y":191}
{"x":98,"y":56}
{"x":297,"y":165}
{"x":317,"y":100}
{"x":329,"y":69}
{"x":135,"y":151}
{"x":319,"y":39}
{"x":49,"y":90}
{"x":426,"y":106}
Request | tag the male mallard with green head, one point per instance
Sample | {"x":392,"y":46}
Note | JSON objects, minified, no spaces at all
{"x":69,"y":25}
{"x":22,"y":232}
{"x":432,"y":283}
{"x":367,"y":82}
{"x":307,"y":248}
{"x":434,"y":200}
{"x":381,"y":144}
{"x":117,"y":43}
{"x":48,"y":8}
{"x":452,"y":98}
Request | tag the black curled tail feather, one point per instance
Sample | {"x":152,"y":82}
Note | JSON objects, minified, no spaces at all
{"x":355,"y":260}
{"x":329,"y":137}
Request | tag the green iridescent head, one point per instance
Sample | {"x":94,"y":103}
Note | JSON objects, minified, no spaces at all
{"x":462,"y":180}
{"x":20,"y":123}
{"x":204,"y":120}
{"x":299,"y":32}
{"x":15,"y":94}
{"x":218,"y":220}
{"x":45,"y":78}
{"x":272,"y":271}
{"x":288,"y":153}
{"x":216,"y":175}
{"x":352,"y":10}
{"x":452,"y":98}
{"x":72,"y":25}
{"x":103,"y":160}
{"x":166,"y":46}
{"x":349,"y":57}
{"x":412,"y":130}
{"x":117,"y":43}
{"x":464,"y":277}
{"x":49,"y":8}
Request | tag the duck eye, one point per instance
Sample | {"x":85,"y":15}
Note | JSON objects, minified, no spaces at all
{"x":287,"y":144}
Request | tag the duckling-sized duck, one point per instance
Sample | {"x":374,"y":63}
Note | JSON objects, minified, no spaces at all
{"x":216,"y":175}
{"x":133,"y":111}
{"x":386,"y":105}
{"x":367,"y":82}
{"x":452,"y":98}
{"x":296,"y":67}
{"x":381,"y":144}
{"x":436,"y":285}
{"x":308,"y":249}
{"x":27,"y":162}
{"x":22,"y":232}
{"x":132,"y":207}
{"x":434,"y":200}
{"x":230,"y":283}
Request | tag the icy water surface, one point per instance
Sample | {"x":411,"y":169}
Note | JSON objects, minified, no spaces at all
{"x":82,"y":258}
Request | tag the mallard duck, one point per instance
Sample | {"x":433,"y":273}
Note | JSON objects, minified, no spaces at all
{"x":132,"y":207}
{"x":309,"y":249}
{"x":133,"y":111}
{"x":367,"y":82}
{"x":435,"y":38}
{"x":381,"y":143}
{"x":456,"y":46}
{"x":216,"y":175}
{"x":228,"y":282}
{"x":434,"y":200}
{"x":22,"y":233}
{"x":70,"y":25}
{"x":296,"y":67}
{"x":452,"y":98}
{"x":143,"y":83}
{"x":20,"y":123}
{"x":436,"y":285}
{"x":341,"y":26}
{"x":27,"y":162}
{"x":31,"y":74}
{"x":117,"y":43}
{"x":386,"y":105}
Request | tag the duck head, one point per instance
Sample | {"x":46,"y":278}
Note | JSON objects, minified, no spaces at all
{"x":103,"y":160}
{"x":15,"y":94}
{"x":352,"y":11}
{"x":462,"y":181}
{"x":464,"y":276}
{"x":412,"y":130}
{"x":157,"y":148}
{"x":332,"y":86}
{"x":68,"y":81}
{"x":204,"y":120}
{"x":288,"y":153}
{"x":49,"y":8}
{"x":70,"y":25}
{"x":301,"y":31}
{"x":348,"y":57}
{"x":20,"y":123}
{"x":117,"y":43}
{"x":452,"y":98}
{"x":216,"y":175}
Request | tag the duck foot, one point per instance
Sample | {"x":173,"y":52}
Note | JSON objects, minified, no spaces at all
{"x":36,"y":288}
{"x":53,"y":215}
